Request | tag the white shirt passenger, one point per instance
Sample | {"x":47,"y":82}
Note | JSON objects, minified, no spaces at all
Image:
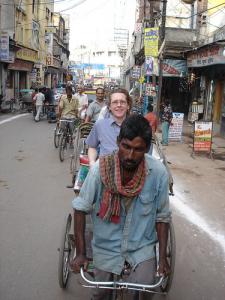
{"x":83,"y":99}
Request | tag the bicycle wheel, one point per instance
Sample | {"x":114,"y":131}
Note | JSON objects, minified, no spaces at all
{"x":62,"y":146}
{"x":56,"y":136}
{"x":65,"y":254}
{"x":171,"y":255}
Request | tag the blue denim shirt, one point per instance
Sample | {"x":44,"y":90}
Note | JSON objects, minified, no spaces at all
{"x":133,"y":239}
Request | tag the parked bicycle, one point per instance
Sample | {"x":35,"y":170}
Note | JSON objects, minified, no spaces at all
{"x":65,"y":136}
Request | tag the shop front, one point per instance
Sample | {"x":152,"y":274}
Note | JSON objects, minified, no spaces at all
{"x":19,"y":72}
{"x":175,"y":84}
{"x":18,"y":75}
{"x":206,"y":66}
{"x":52,"y":72}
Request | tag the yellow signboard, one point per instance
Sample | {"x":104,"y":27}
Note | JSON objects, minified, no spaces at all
{"x":27,"y":54}
{"x":151,"y":40}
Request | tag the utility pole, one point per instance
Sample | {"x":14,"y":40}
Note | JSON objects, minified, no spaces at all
{"x":161,"y":40}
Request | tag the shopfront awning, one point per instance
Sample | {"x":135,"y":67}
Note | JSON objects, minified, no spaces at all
{"x":21,"y":65}
{"x":208,"y":55}
{"x":52,"y":70}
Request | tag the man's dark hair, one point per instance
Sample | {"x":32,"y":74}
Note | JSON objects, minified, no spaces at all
{"x":167,"y":102}
{"x":136,"y":126}
{"x":69,"y":88}
{"x":100,"y":88}
{"x":150,"y":108}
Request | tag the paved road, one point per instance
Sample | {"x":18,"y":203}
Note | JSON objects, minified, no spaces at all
{"x":34,"y":203}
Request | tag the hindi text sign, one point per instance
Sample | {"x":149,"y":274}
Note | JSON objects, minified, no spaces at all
{"x":202,"y":136}
{"x":151,"y":39}
{"x":176,"y":127}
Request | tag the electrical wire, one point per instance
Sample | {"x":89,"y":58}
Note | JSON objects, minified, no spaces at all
{"x":27,"y":4}
{"x":24,"y":24}
{"x":199,"y":13}
{"x":73,"y":6}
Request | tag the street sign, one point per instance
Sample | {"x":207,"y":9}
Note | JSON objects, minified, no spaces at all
{"x":151,"y":40}
{"x":202,"y":137}
{"x":176,"y":128}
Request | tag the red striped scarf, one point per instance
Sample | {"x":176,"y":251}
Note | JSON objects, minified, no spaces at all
{"x":113,"y":188}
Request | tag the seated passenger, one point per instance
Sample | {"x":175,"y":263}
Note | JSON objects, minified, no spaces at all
{"x":105,"y":131}
{"x":96,"y":106}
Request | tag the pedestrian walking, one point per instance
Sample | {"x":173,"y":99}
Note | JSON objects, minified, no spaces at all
{"x":39,"y":99}
{"x":153,"y":122}
{"x":152,"y":119}
{"x":166,"y":116}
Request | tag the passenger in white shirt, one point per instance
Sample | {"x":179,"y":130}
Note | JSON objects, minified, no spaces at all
{"x":39,"y":98}
{"x":83,"y":101}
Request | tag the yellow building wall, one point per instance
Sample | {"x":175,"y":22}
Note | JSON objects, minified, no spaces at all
{"x":213,"y":3}
{"x":26,"y":16}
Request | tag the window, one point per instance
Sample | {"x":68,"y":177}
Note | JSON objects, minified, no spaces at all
{"x":47,"y":13}
{"x":111,"y":53}
{"x":33,"y":6}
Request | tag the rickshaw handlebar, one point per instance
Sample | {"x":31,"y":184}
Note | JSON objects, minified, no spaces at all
{"x":121,"y":284}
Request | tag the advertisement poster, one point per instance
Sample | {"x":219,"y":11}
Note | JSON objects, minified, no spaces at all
{"x":176,"y":129}
{"x":202,"y":136}
{"x":149,"y":65}
{"x":136,"y":72}
{"x":151,"y":39}
{"x":4,"y":46}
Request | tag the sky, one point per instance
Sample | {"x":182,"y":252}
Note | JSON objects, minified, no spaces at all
{"x":92,"y":22}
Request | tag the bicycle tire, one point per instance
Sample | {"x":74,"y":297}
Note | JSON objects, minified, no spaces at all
{"x":56,"y":137}
{"x":62,"y":146}
{"x":65,"y":252}
{"x":171,"y":255}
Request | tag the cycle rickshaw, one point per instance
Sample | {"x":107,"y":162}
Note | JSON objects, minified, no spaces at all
{"x":79,"y":156}
{"x":67,"y":251}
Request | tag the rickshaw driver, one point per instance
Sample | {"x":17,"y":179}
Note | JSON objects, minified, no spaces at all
{"x":127,"y":195}
{"x":68,"y":108}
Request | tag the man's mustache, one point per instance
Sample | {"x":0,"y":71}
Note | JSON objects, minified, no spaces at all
{"x":130,"y":161}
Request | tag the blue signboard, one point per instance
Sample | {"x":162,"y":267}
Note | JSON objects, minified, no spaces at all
{"x":87,"y":66}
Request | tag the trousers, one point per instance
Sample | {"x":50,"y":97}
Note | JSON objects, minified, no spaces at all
{"x":39,"y":110}
{"x":144,"y":273}
{"x":165,"y":132}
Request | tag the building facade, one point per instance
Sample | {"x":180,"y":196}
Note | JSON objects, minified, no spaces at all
{"x":194,"y":36}
{"x":34,"y":46}
{"x":99,"y":64}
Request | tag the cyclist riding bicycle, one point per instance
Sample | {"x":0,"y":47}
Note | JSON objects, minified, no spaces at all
{"x":126,"y":194}
{"x":68,"y":109}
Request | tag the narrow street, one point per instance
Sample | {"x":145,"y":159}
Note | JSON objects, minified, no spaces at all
{"x":35,"y":201}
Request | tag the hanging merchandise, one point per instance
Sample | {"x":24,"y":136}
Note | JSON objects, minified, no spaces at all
{"x":148,"y":89}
